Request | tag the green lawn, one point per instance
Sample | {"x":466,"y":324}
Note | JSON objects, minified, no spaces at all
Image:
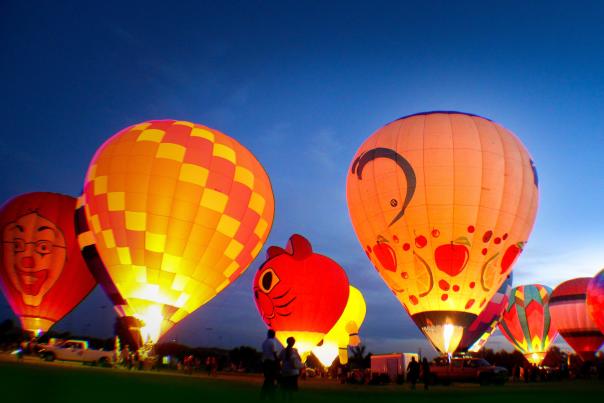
{"x":37,"y":383}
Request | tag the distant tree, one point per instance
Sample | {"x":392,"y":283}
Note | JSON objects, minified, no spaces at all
{"x":173,"y":350}
{"x":359,"y":359}
{"x":555,"y":357}
{"x":10,"y":334}
{"x":246,"y":357}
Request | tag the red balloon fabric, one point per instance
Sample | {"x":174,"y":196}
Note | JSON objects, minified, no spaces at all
{"x":42,"y":273}
{"x":595,"y":300}
{"x":299,"y":292}
{"x":568,"y":309}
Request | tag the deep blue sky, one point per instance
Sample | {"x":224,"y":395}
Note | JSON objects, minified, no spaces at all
{"x":302,"y":84}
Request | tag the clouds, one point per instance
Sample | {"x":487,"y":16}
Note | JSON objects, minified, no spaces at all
{"x":552,"y":266}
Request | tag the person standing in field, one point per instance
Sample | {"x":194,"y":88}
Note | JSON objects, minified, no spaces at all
{"x":426,"y":372}
{"x":413,"y":372}
{"x":291,"y":364}
{"x":270,"y":365}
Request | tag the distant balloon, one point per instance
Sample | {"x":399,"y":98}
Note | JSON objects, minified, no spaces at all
{"x":171,"y":213}
{"x":567,"y":306}
{"x":526,"y":321}
{"x":345,"y":332}
{"x":443,"y":203}
{"x":477,"y":334}
{"x":595,"y":300}
{"x":42,"y":273}
{"x":300,"y":293}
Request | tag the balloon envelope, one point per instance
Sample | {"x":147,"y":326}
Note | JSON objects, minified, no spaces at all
{"x":42,"y":273}
{"x":568,"y":308}
{"x":442,"y":203}
{"x":171,"y":213}
{"x":526,"y":321}
{"x":595,"y":300}
{"x":300,"y":293}
{"x":345,"y":332}
{"x":477,"y":334}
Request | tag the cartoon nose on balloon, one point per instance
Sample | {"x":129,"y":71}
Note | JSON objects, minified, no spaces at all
{"x":27,"y":262}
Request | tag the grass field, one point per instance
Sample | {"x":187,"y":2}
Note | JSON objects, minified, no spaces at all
{"x":40,"y":382}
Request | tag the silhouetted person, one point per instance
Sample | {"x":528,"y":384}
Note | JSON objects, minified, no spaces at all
{"x":291,"y":364}
{"x":413,"y":372}
{"x":270,"y":365}
{"x":426,"y":372}
{"x":516,"y":373}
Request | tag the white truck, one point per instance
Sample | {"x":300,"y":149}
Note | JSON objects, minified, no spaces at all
{"x":76,"y":350}
{"x":393,"y":365}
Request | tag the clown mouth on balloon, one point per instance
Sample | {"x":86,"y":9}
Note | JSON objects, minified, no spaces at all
{"x":31,"y":281}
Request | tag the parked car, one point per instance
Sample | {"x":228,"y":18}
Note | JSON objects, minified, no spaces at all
{"x":467,"y":369}
{"x":76,"y":350}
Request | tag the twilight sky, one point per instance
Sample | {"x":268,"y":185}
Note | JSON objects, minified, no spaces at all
{"x":302,"y":84}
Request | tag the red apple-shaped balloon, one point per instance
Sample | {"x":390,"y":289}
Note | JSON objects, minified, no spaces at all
{"x":300,"y":293}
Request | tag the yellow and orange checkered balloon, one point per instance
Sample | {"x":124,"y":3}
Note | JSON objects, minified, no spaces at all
{"x":171,"y":213}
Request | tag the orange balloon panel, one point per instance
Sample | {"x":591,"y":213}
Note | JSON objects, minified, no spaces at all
{"x":42,"y":273}
{"x":443,"y":203}
{"x":177,"y":212}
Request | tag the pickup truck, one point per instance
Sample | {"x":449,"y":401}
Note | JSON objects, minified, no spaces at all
{"x":467,"y":369}
{"x":75,"y":350}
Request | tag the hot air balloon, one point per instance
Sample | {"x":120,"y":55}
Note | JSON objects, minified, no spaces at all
{"x":568,"y":309}
{"x":442,"y":203}
{"x":526,"y":321}
{"x":171,"y":213}
{"x":42,"y":273}
{"x":595,"y":300}
{"x":345,"y":332}
{"x":477,"y":334}
{"x":300,"y":293}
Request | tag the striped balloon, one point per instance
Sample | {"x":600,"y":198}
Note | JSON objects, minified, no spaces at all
{"x":477,"y":334}
{"x":526,"y":322}
{"x":568,"y":308}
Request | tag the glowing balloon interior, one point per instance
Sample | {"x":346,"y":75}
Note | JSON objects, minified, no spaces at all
{"x":526,"y":321}
{"x":345,"y":332}
{"x":568,"y":308}
{"x":300,"y":293}
{"x":42,"y":273}
{"x":443,"y":203}
{"x":171,"y":213}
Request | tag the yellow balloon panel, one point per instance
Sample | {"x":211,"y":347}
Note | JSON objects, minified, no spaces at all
{"x":443,"y":203}
{"x":177,"y":212}
{"x":344,"y":332}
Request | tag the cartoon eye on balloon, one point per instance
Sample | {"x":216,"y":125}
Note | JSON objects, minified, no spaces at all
{"x":526,"y":321}
{"x":300,"y":293}
{"x":172,"y":212}
{"x":42,"y":273}
{"x":268,"y":280}
{"x":443,"y":203}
